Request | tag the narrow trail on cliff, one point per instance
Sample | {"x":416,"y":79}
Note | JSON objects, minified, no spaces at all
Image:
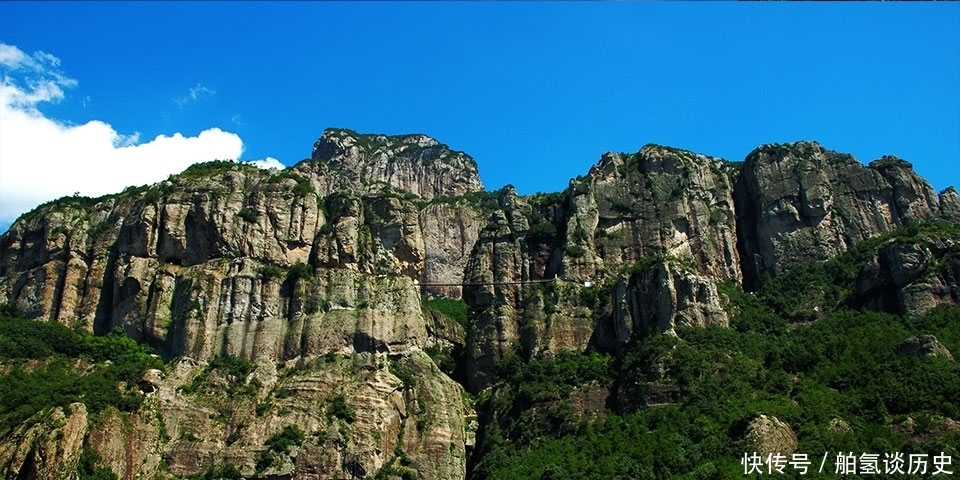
{"x":518,"y":282}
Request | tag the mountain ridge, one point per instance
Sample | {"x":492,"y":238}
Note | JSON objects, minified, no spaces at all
{"x":326,"y":276}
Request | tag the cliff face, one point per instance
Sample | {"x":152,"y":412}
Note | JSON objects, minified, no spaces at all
{"x":801,"y":201}
{"x":352,"y":413}
{"x":226,"y":259}
{"x":235,"y":260}
{"x":416,"y":164}
{"x":316,"y":274}
{"x":659,"y":201}
{"x":661,"y":227}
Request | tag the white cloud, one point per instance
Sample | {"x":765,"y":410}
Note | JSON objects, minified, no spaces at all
{"x":267,"y":163}
{"x":11,"y":56}
{"x":43,"y":158}
{"x":196,"y":93}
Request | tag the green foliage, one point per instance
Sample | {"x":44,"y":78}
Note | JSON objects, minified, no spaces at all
{"x":845,"y":366}
{"x":235,"y":435}
{"x":665,"y":186}
{"x":542,"y":231}
{"x":100,"y":229}
{"x":227,"y":471}
{"x":621,"y":206}
{"x":337,"y":408}
{"x":831,"y":284}
{"x":212,"y":168}
{"x":57,"y":380}
{"x":303,"y":186}
{"x":248,"y":214}
{"x":88,"y":469}
{"x":718,"y":217}
{"x":889,"y":161}
{"x":576,"y":251}
{"x":553,"y":378}
{"x":580,"y":234}
{"x":443,"y":358}
{"x":685,"y":262}
{"x":455,"y":309}
{"x":405,"y":375}
{"x":748,"y":313}
{"x":235,"y":369}
{"x":265,"y":460}
{"x":270,"y":271}
{"x":280,"y":442}
{"x":298,"y":271}
{"x":8,"y":310}
{"x":264,"y":407}
{"x":548,"y":200}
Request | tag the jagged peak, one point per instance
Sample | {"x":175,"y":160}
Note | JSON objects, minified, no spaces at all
{"x":651,"y":149}
{"x":891,"y":161}
{"x":336,"y":141}
{"x":801,"y":148}
{"x":413,"y":163}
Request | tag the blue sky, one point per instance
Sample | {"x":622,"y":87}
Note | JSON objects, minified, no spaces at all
{"x":535,"y":92}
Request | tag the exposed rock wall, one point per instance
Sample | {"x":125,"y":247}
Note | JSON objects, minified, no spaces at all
{"x":802,"y":201}
{"x":411,"y":163}
{"x":227,"y":421}
{"x":658,"y":201}
{"x":911,"y":278}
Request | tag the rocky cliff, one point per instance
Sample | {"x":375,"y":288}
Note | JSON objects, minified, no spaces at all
{"x":316,"y":273}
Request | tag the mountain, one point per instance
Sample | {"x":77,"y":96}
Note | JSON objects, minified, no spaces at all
{"x":373,"y":312}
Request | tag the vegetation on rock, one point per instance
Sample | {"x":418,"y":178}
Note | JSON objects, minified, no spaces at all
{"x":678,"y":406}
{"x":45,"y":365}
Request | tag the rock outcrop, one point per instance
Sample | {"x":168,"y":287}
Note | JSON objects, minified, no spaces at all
{"x":233,"y":260}
{"x":769,"y":435}
{"x":911,"y":277}
{"x":46,"y":447}
{"x":355,"y":415}
{"x":802,"y":201}
{"x":275,"y":267}
{"x":665,"y":296}
{"x":659,"y":201}
{"x":924,"y":346}
{"x":416,"y":164}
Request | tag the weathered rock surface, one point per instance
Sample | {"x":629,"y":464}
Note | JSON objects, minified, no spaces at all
{"x":924,"y":346}
{"x":493,"y":290}
{"x":911,"y":278}
{"x":274,"y":267}
{"x":768,"y":435}
{"x":208,"y":268}
{"x":950,"y":204}
{"x":450,"y":230}
{"x":48,"y":446}
{"x":659,"y":201}
{"x":802,"y":201}
{"x":665,"y":296}
{"x":411,"y":163}
{"x":227,"y":421}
